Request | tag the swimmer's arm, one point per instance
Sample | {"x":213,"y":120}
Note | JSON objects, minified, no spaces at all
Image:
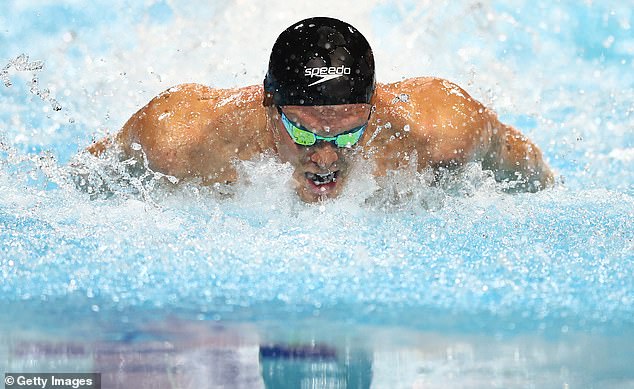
{"x":469,"y":131}
{"x":161,"y":133}
{"x":193,"y":131}
{"x":514,"y":158}
{"x":122,"y":140}
{"x":101,"y":146}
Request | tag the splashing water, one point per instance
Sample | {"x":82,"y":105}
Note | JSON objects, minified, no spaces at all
{"x":22,"y":64}
{"x":459,"y":260}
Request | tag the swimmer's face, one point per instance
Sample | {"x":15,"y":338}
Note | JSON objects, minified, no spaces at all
{"x":320,"y":169}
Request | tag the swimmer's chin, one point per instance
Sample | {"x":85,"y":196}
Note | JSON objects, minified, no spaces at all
{"x":310,"y":197}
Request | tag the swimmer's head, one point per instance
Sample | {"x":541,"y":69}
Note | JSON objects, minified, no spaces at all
{"x":320,"y":61}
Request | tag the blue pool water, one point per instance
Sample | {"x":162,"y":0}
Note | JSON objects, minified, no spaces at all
{"x":245,"y":286}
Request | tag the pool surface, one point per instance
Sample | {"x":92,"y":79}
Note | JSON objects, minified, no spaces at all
{"x":245,"y":286}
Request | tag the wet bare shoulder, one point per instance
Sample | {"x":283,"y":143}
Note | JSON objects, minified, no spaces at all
{"x":192,"y":130}
{"x":446,"y":124}
{"x":170,"y":115}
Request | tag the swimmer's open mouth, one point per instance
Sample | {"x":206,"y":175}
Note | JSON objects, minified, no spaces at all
{"x":322,"y":178}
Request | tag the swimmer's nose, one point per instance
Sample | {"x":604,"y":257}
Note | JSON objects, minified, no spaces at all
{"x":325,"y":155}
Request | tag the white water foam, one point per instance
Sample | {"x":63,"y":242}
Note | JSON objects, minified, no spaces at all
{"x":462,"y":246}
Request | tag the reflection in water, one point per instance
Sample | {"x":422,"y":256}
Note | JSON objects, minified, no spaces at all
{"x":314,"y":366}
{"x":196,"y":355}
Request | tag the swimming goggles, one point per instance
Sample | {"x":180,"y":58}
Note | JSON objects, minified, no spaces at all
{"x":304,"y":137}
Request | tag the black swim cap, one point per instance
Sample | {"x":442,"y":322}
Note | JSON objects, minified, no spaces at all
{"x":320,"y":61}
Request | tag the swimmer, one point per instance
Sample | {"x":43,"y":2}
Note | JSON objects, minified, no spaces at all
{"x":321,"y":110}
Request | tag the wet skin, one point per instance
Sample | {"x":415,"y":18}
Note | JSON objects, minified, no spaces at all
{"x":323,"y":157}
{"x":193,"y":131}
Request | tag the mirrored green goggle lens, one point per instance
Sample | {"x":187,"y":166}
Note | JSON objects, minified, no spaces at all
{"x":307,"y":138}
{"x":349,"y":139}
{"x":302,"y":137}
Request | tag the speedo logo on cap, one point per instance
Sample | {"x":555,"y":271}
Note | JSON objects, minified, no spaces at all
{"x":326,"y":73}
